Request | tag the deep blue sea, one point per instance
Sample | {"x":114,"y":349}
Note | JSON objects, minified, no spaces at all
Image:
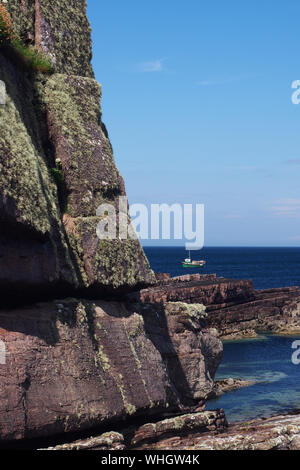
{"x":266,"y":360}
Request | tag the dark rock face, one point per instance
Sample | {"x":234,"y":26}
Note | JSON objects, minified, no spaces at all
{"x":233,"y":307}
{"x":73,"y":365}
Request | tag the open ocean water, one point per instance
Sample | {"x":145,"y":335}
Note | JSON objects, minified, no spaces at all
{"x":266,"y":360}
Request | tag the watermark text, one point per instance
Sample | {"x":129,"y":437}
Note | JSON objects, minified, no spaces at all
{"x":154,"y":222}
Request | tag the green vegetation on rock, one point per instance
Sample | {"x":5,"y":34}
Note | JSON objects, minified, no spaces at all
{"x":60,"y":28}
{"x":29,"y":56}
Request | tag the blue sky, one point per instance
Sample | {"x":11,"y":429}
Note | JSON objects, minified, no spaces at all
{"x":197,"y":102}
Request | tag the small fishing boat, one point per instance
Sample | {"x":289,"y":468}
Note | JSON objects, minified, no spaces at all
{"x":188,"y":263}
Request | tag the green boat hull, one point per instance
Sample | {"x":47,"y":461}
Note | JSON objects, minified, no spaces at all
{"x":187,"y":265}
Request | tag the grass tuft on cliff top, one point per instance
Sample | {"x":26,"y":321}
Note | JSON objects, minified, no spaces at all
{"x":32,"y":58}
{"x":29,"y":56}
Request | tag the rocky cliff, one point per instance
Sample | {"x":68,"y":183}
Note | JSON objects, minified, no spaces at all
{"x":108,"y":345}
{"x":57,"y":164}
{"x":73,"y":365}
{"x":76,"y":364}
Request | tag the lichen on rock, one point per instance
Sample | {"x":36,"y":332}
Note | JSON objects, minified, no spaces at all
{"x":28,"y":202}
{"x":59,"y":28}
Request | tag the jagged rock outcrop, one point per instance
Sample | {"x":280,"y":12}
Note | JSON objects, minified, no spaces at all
{"x":73,"y":365}
{"x":222,"y":386}
{"x":57,"y":165}
{"x":233,"y":307}
{"x":277,"y":433}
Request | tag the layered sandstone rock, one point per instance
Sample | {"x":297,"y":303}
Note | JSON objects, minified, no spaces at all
{"x":207,"y":430}
{"x":33,"y":246}
{"x":73,"y":365}
{"x":274,"y":311}
{"x":277,"y":433}
{"x":150,"y":435}
{"x":233,"y":307}
{"x":184,"y":425}
{"x":199,"y":289}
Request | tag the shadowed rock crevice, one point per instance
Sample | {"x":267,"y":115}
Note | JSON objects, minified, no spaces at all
{"x":191,"y":352}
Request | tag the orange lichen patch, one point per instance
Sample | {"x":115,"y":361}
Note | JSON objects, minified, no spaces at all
{"x":7,"y":33}
{"x":70,"y":224}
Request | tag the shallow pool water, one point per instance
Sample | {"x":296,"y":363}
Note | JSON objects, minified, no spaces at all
{"x":268,"y":361}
